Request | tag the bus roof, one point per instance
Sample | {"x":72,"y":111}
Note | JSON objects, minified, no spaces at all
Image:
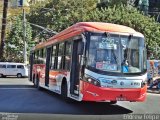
{"x":80,"y":27}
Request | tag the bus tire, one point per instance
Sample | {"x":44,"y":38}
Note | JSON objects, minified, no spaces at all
{"x":37,"y":83}
{"x":64,"y":92}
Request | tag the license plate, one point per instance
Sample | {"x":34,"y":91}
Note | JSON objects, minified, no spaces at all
{"x":120,"y":98}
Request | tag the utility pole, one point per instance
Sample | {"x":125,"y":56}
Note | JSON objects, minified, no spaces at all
{"x":24,"y":38}
{"x":5,"y":7}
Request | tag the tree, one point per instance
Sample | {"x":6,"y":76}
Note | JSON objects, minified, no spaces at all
{"x":67,"y":12}
{"x":14,"y":43}
{"x":61,"y":14}
{"x":131,"y":17}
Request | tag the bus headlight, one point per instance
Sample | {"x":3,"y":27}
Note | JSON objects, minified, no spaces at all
{"x":93,"y":81}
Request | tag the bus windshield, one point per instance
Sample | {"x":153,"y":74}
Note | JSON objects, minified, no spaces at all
{"x":116,"y":53}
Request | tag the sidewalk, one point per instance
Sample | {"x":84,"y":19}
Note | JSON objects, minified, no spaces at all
{"x":153,"y":90}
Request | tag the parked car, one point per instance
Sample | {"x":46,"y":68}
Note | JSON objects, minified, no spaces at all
{"x":13,"y":69}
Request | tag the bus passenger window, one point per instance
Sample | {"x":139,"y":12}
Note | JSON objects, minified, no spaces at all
{"x":59,"y":62}
{"x":53,"y":57}
{"x":67,"y":62}
{"x":60,"y":56}
{"x":67,"y":57}
{"x":44,"y":56}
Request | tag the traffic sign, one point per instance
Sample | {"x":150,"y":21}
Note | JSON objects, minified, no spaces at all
{"x":19,"y":3}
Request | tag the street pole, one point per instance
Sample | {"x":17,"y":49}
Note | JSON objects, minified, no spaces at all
{"x":5,"y":7}
{"x":24,"y":38}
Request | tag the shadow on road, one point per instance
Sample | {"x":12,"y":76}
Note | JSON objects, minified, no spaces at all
{"x":95,"y":108}
{"x":9,"y":77}
{"x":26,"y":99}
{"x":16,"y":86}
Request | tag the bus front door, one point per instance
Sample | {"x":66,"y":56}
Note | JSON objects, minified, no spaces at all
{"x":75,"y":68}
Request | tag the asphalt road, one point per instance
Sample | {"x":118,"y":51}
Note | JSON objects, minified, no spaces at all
{"x":20,"y":100}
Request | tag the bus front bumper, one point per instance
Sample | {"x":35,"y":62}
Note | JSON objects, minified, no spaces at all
{"x":94,"y":93}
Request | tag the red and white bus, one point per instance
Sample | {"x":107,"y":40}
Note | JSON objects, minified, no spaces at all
{"x":92,"y":61}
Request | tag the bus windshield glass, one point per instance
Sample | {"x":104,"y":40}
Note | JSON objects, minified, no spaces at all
{"x":117,"y":53}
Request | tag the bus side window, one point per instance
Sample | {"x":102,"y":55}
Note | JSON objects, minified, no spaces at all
{"x":68,"y":50}
{"x":41,"y":56}
{"x":56,"y":56}
{"x":53,"y":54}
{"x":44,"y":55}
{"x":36,"y":57}
{"x":60,"y":54}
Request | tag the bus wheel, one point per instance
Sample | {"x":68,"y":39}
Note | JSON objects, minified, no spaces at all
{"x":113,"y":102}
{"x":64,"y":92}
{"x":36,"y":83}
{"x":19,"y":75}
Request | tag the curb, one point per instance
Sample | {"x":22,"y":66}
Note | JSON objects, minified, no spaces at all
{"x":153,"y":91}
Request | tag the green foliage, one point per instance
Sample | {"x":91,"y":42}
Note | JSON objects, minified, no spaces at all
{"x":129,"y":16}
{"x":109,"y":3}
{"x":14,"y":43}
{"x":63,"y":13}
